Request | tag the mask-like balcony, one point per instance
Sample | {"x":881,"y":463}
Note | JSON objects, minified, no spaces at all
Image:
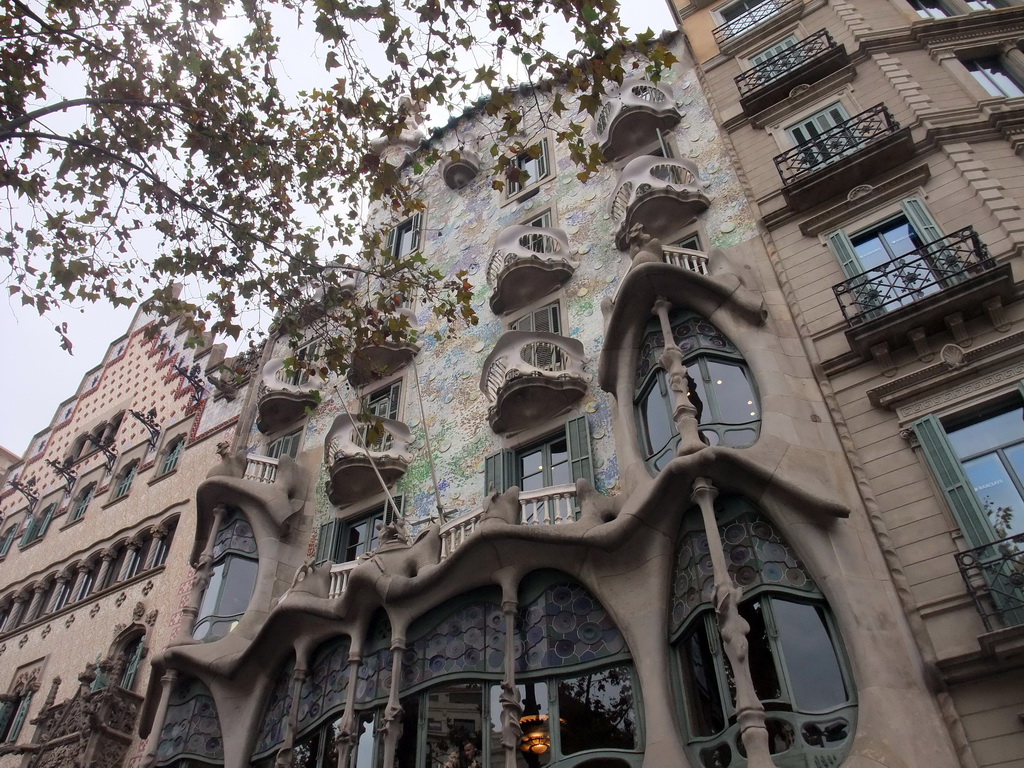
{"x":528,"y":262}
{"x":531,"y":377}
{"x":632,"y":115}
{"x":954,"y":275}
{"x":283,"y":396}
{"x":761,"y":20}
{"x":375,"y":361}
{"x":351,"y":473}
{"x":459,"y":167}
{"x":805,"y":63}
{"x":661,"y":194}
{"x":842,"y":157}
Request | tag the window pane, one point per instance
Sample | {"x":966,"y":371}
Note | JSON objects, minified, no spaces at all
{"x":762,"y":660}
{"x":734,"y":396}
{"x":559,"y":463}
{"x":455,"y":725}
{"x":700,"y":678}
{"x":998,"y":495}
{"x":405,"y":750}
{"x":531,"y":470}
{"x":597,"y":711}
{"x":814,"y":672}
{"x":656,"y":413}
{"x":991,"y":432}
{"x":363,"y":757}
{"x":238,"y":585}
{"x":535,"y":724}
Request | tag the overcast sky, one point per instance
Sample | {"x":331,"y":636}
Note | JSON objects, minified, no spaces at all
{"x":40,"y":375}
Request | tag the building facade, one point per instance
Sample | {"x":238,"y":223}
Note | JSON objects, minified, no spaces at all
{"x":97,"y":523}
{"x":621,"y":521}
{"x":878,"y":142}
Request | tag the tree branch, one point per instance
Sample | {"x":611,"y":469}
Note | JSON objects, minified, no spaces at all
{"x":8,"y":129}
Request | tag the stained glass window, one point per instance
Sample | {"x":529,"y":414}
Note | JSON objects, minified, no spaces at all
{"x":191,"y":728}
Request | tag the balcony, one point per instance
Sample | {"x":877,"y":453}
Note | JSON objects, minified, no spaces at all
{"x":459,"y":167}
{"x":531,"y":377}
{"x":994,"y":575}
{"x":528,"y":262}
{"x":921,"y":290}
{"x":763,"y":19}
{"x":284,"y":396}
{"x":659,"y":194}
{"x":382,"y":358}
{"x":632,"y":115}
{"x":260,"y":469}
{"x":351,"y":471}
{"x":842,"y":157}
{"x":807,"y":62}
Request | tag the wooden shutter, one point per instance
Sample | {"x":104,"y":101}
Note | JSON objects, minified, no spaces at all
{"x":498,"y":472}
{"x":543,"y":162}
{"x":30,"y":528}
{"x":953,"y":481}
{"x":389,"y":243}
{"x":44,"y":524}
{"x":325,"y":542}
{"x":6,"y":710}
{"x":861,"y":289}
{"x":417,"y":229}
{"x":132,"y":668}
{"x":577,"y":433}
{"x":945,"y":262}
{"x":19,"y":717}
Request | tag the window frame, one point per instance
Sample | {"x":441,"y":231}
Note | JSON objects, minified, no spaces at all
{"x":988,"y":77}
{"x":126,"y":479}
{"x":209,"y":612}
{"x":36,"y":527}
{"x":499,"y":467}
{"x":331,"y":543}
{"x":394,"y":244}
{"x":285,"y":444}
{"x":769,"y":51}
{"x":172,"y":455}
{"x":82,"y":502}
{"x":518,"y":191}
{"x":7,"y":540}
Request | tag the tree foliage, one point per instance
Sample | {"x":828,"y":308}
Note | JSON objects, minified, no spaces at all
{"x":149,"y":142}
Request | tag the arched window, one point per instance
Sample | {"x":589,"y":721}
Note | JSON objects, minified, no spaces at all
{"x":235,"y":563}
{"x":172,"y":455}
{"x":82,"y":502}
{"x":125,"y":480}
{"x":13,"y":713}
{"x":721,"y":389}
{"x":131,"y":655}
{"x":37,"y":525}
{"x":86,"y":582}
{"x":794,"y":654}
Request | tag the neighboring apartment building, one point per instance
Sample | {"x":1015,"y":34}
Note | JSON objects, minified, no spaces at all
{"x":637,"y":436}
{"x":879,"y":143}
{"x":97,"y":520}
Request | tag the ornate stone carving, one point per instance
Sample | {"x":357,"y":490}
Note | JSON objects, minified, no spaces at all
{"x":138,"y":611}
{"x":120,"y":599}
{"x":151,"y":617}
{"x":147,"y":588}
{"x":69,"y":621}
{"x":94,"y":610}
{"x":952,"y":356}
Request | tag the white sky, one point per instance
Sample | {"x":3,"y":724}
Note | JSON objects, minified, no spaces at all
{"x":40,"y":375}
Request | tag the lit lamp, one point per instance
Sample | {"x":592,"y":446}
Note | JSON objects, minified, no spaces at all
{"x":535,"y":739}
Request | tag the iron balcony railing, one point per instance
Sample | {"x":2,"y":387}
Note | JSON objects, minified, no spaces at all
{"x":748,"y":20}
{"x":905,"y":279}
{"x":770,"y":70}
{"x":854,"y":134}
{"x":994,"y":574}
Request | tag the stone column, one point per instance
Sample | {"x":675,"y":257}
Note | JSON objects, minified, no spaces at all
{"x":511,"y":703}
{"x":17,"y":611}
{"x":158,"y":533}
{"x":80,"y":572}
{"x":106,"y":558}
{"x":35,"y":607}
{"x":167,"y":681}
{"x":957,"y":7}
{"x":133,"y":546}
{"x":1013,"y":59}
{"x":62,"y":579}
{"x":733,"y":629}
{"x":392,"y":725}
{"x":204,"y":572}
{"x":348,"y":729}
{"x":286,"y":755}
{"x":684,"y":414}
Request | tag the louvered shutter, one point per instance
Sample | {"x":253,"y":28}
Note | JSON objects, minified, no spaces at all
{"x":325,"y":542}
{"x":944,"y":261}
{"x":860,"y":284}
{"x":417,"y":228}
{"x":19,"y":717}
{"x":577,"y":433}
{"x":953,"y":481}
{"x":389,"y":244}
{"x":498,"y":474}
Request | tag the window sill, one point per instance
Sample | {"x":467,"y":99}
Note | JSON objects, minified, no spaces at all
{"x":529,"y":192}
{"x":23,"y":547}
{"x":71,"y":523}
{"x":92,"y":597}
{"x":112,"y":502}
{"x":158,"y":478}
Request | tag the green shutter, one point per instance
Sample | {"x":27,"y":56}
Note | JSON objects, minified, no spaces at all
{"x":30,"y":530}
{"x":953,"y":480}
{"x":944,"y":261}
{"x":44,"y":524}
{"x":498,"y":475}
{"x":6,"y":710}
{"x":19,"y":717}
{"x":132,"y":668}
{"x":921,"y":221}
{"x":417,"y":229}
{"x":843,"y":249}
{"x":863,"y":289}
{"x":325,"y":542}
{"x":577,"y":433}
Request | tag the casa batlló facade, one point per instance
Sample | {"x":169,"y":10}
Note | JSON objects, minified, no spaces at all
{"x":624,"y":523}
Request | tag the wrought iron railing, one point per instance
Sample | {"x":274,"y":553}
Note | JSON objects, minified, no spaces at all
{"x":846,"y":138}
{"x":905,"y":279}
{"x":782,"y":63}
{"x":994,"y":574}
{"x":748,"y":20}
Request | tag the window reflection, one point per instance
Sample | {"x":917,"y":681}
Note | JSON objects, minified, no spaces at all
{"x":595,"y":711}
{"x":455,"y":726}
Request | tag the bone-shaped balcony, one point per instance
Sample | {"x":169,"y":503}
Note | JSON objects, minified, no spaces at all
{"x":354,"y":446}
{"x":527,"y":263}
{"x":632,"y":115}
{"x":284,"y":396}
{"x":660,"y":194}
{"x":531,"y":377}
